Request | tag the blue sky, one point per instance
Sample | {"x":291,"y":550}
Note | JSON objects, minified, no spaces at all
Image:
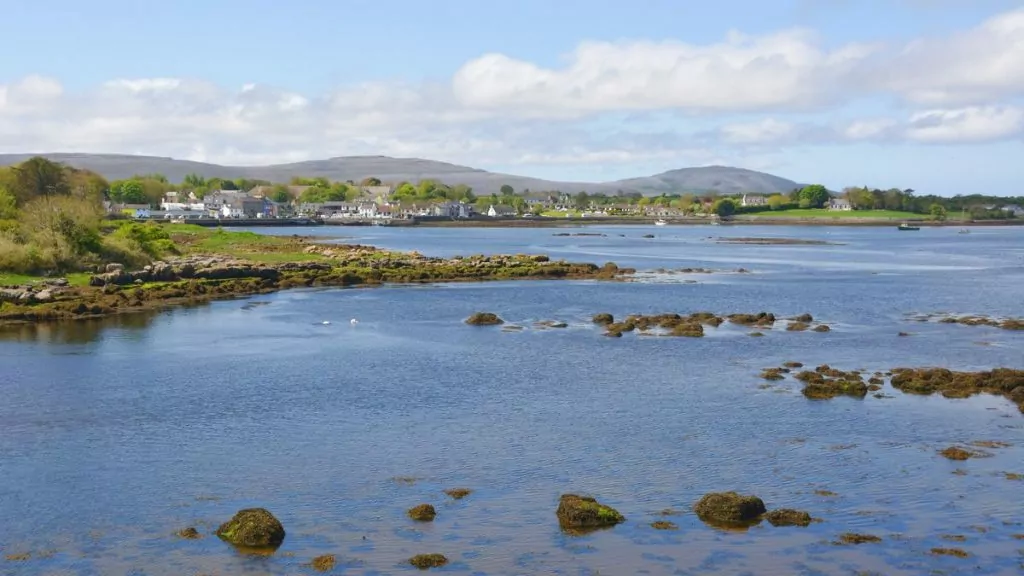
{"x":910,"y":93}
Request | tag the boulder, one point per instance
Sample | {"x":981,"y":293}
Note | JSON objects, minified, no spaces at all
{"x":426,"y":561}
{"x":422,"y":513}
{"x":788,"y":517}
{"x":729,"y":508}
{"x":484,"y":319}
{"x":583,"y":512}
{"x":603,"y":319}
{"x":253,"y":527}
{"x":1017,"y":394}
{"x":114,"y":267}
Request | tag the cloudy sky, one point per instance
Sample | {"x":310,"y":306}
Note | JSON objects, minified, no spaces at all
{"x":927,"y":94}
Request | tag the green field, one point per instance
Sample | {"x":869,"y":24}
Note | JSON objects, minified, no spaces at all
{"x":851,"y":214}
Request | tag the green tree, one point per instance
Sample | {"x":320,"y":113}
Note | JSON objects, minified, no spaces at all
{"x":8,"y":205}
{"x":507,"y":190}
{"x":776,"y":201}
{"x":38,"y":177}
{"x":193,"y":181}
{"x":370,"y":181}
{"x":724,"y":207}
{"x":132,"y":192}
{"x":937,"y":211}
{"x":814,"y":196}
{"x":582,"y":200}
{"x":280,"y":194}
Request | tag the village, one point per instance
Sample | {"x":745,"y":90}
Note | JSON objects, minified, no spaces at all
{"x":378,"y":204}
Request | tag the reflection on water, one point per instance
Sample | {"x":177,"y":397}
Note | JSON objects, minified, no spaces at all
{"x":116,"y":434}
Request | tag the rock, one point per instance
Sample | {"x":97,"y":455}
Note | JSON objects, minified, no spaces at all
{"x":690,"y":330}
{"x":114,"y":267}
{"x":821,"y":328}
{"x":189,"y":533}
{"x":552,"y":324}
{"x":956,"y":552}
{"x":788,"y":517}
{"x":854,"y":538}
{"x":664,"y":525}
{"x":772,"y":374}
{"x":756,"y":334}
{"x":426,"y":561}
{"x":792,"y":364}
{"x":43,"y":296}
{"x":458,"y":493}
{"x":729,"y":508}
{"x":805,"y":318}
{"x":253,"y":527}
{"x":954,"y":453}
{"x":1017,"y":394}
{"x":648,"y":235}
{"x":484,"y":319}
{"x":582,"y":512}
{"x":422,"y":513}
{"x":797,"y":326}
{"x":323,"y":563}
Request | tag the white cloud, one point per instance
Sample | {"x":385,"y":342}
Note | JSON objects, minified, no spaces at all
{"x":973,"y":124}
{"x":737,"y":95}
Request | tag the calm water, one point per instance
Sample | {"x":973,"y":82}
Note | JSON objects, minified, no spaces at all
{"x":115,"y":434}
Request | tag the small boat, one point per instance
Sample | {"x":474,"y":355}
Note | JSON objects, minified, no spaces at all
{"x":905,"y":226}
{"x":660,"y":223}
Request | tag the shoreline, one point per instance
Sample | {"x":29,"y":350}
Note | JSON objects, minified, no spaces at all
{"x":202,"y":278}
{"x":486,"y":222}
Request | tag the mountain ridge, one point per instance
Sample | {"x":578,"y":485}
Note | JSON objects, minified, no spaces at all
{"x":723,"y":179}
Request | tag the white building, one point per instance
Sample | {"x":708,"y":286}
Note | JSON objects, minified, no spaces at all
{"x":753,"y":200}
{"x":839,"y":204}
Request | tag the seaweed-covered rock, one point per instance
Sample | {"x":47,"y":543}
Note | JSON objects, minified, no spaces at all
{"x":792,"y":364}
{"x":1017,"y":394}
{"x":458,"y":493}
{"x":422,"y":513}
{"x":821,"y":328}
{"x":618,"y":328}
{"x":955,"y":552}
{"x":551,"y":324}
{"x":759,"y":319}
{"x":583,"y":512}
{"x":484,"y":319}
{"x":603,"y":319}
{"x":253,"y":527}
{"x":426,"y":561}
{"x":854,"y":538}
{"x":189,"y":533}
{"x":691,"y":330}
{"x":805,"y":318}
{"x":324,"y":563}
{"x":797,"y":326}
{"x":788,"y":517}
{"x":825,"y":382}
{"x":772,"y":374}
{"x":956,"y":453}
{"x":729,"y":508}
{"x":664,"y":525}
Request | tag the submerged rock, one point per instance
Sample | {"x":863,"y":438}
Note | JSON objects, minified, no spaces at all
{"x":664,"y":525}
{"x":788,"y":517}
{"x":583,"y":512}
{"x":854,"y":538}
{"x":323,"y":563}
{"x":458,"y":493}
{"x":690,"y":330}
{"x":821,"y":328}
{"x":956,"y":552}
{"x":422,"y":513}
{"x":603,"y":319}
{"x":729,"y":508}
{"x":955,"y":453}
{"x":797,"y":326}
{"x":772,"y":374}
{"x":484,"y":319}
{"x":189,"y":533}
{"x":551,"y":324}
{"x":253,"y":527}
{"x":805,"y":318}
{"x":426,"y":561}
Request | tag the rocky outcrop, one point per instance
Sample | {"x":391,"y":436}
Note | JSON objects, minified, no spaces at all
{"x":729,"y":509}
{"x":585,"y":513}
{"x":37,"y":293}
{"x":484,"y":319}
{"x":253,"y":527}
{"x":427,"y":561}
{"x":201,"y":268}
{"x":422,"y":513}
{"x":788,"y":517}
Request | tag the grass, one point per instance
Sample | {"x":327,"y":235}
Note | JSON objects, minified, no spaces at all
{"x":74,"y":278}
{"x":851,"y":214}
{"x":561,"y":213}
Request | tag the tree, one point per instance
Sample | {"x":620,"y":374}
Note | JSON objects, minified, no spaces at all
{"x":814,"y":196}
{"x":582,"y":200}
{"x":8,"y":206}
{"x":38,"y":177}
{"x":776,"y":201}
{"x":280,"y":194}
{"x":132,"y":192}
{"x":507,"y":190}
{"x":370,"y":181}
{"x":937,"y":212}
{"x":193,"y":181}
{"x":725,"y":207}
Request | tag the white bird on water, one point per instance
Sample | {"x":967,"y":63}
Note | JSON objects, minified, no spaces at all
{"x":353,"y":321}
{"x":326,"y":322}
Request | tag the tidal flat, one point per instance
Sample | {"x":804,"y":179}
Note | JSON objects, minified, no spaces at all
{"x":119,"y":434}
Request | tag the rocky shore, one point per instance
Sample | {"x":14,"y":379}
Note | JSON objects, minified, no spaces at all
{"x":205,"y":277}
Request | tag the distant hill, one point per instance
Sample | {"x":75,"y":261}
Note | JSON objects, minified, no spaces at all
{"x":712,"y":178}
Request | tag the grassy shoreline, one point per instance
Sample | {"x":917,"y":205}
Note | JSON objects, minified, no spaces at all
{"x":216,"y":264}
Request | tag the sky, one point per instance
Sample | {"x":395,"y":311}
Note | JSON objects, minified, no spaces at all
{"x":922,"y":94}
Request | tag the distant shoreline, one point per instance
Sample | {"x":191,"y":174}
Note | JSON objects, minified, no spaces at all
{"x":486,"y":222}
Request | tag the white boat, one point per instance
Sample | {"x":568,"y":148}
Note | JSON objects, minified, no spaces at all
{"x":660,"y":223}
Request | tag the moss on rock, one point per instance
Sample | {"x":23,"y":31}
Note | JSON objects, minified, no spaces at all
{"x":458,"y":493}
{"x":427,"y":561}
{"x":189,"y":533}
{"x":603,"y":319}
{"x":422,"y":513}
{"x":583,"y":512}
{"x":664,"y":525}
{"x":253,"y":527}
{"x":854,"y":538}
{"x":788,"y":517}
{"x":484,"y":319}
{"x":324,"y":563}
{"x":729,"y":509}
